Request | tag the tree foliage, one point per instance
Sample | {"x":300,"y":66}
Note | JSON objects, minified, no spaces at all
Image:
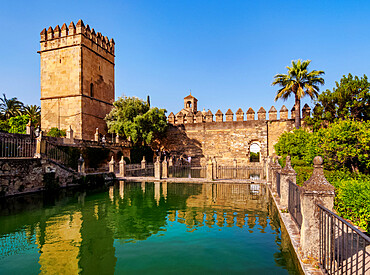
{"x":132,"y":118}
{"x":344,"y":144}
{"x":350,"y":99}
{"x":10,"y":107}
{"x":55,"y":132}
{"x":17,"y":124}
{"x":298,"y":82}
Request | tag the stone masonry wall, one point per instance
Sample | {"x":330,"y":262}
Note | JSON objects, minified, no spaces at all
{"x":224,"y":140}
{"x":26,"y":175}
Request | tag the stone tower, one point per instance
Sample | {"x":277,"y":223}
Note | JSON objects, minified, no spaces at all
{"x":190,"y":104}
{"x":77,"y":79}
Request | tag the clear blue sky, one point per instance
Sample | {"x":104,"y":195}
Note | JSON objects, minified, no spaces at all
{"x":226,"y":52}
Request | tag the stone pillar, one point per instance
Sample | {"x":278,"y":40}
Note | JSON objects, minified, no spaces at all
{"x":111,"y":165}
{"x":235,"y":163}
{"x":96,"y":136}
{"x":287,"y":173}
{"x":170,"y":162}
{"x":69,"y":133}
{"x":214,"y":162}
{"x":210,"y":175}
{"x":143,"y":163}
{"x":29,"y":128}
{"x":316,"y":190}
{"x":275,"y":170}
{"x":40,"y":145}
{"x":157,"y":169}
{"x":122,"y":167}
{"x":81,"y":165}
{"x":165,"y":168}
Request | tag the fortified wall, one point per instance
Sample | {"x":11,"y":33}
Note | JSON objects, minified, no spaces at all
{"x":77,"y":79}
{"x":227,"y":137}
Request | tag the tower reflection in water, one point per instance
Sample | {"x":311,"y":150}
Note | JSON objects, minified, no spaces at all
{"x":80,"y":234}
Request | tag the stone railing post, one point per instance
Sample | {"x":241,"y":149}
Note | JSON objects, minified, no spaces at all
{"x":165,"y":168}
{"x":122,"y":167}
{"x":96,"y":135}
{"x":40,"y":145}
{"x":287,"y":173}
{"x":316,"y":190}
{"x":275,"y":170}
{"x":69,"y":133}
{"x":111,"y":165}
{"x":81,"y":165}
{"x":235,"y":164}
{"x":210,"y":169}
{"x":267,"y":169}
{"x":143,"y":163}
{"x":170,"y":162}
{"x":29,"y":128}
{"x":157,"y":169}
{"x":214,"y":172}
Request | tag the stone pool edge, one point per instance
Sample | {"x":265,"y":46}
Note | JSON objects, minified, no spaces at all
{"x":294,"y":237}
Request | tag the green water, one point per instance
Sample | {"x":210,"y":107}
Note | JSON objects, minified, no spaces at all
{"x":145,"y":228}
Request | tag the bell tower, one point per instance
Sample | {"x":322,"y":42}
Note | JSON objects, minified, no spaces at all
{"x":190,"y":104}
{"x":77,"y":79}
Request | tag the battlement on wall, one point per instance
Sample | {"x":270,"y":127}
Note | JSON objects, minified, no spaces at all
{"x":54,"y":38}
{"x":205,"y":117}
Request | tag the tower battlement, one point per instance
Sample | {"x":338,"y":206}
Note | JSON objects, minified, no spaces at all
{"x":79,"y":34}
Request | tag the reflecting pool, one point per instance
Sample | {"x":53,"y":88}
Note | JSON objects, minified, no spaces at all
{"x":145,"y":228}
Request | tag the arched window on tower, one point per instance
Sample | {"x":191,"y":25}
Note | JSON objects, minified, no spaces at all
{"x":91,"y":90}
{"x":188,"y":104}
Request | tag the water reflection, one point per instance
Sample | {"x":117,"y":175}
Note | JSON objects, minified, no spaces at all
{"x":79,"y":232}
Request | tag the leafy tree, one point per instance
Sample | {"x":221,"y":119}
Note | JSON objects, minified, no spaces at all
{"x":300,"y":82}
{"x":18,"y":124}
{"x":132,"y":118}
{"x":4,"y":126}
{"x":55,"y":132}
{"x":299,"y":145}
{"x":34,"y":112}
{"x":10,"y":107}
{"x":349,"y":99}
{"x":344,"y":144}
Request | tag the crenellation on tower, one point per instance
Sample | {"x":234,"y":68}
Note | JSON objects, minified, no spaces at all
{"x":71,"y":28}
{"x":56,"y":32}
{"x":43,"y":35}
{"x":52,"y":39}
{"x":50,"y":33}
{"x":64,"y":30}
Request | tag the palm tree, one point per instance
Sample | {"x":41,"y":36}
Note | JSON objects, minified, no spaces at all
{"x":34,"y":112}
{"x":10,"y":107}
{"x":299,"y":82}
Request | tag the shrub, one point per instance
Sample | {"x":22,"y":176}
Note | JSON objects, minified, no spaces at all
{"x":352,"y":201}
{"x":55,"y":132}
